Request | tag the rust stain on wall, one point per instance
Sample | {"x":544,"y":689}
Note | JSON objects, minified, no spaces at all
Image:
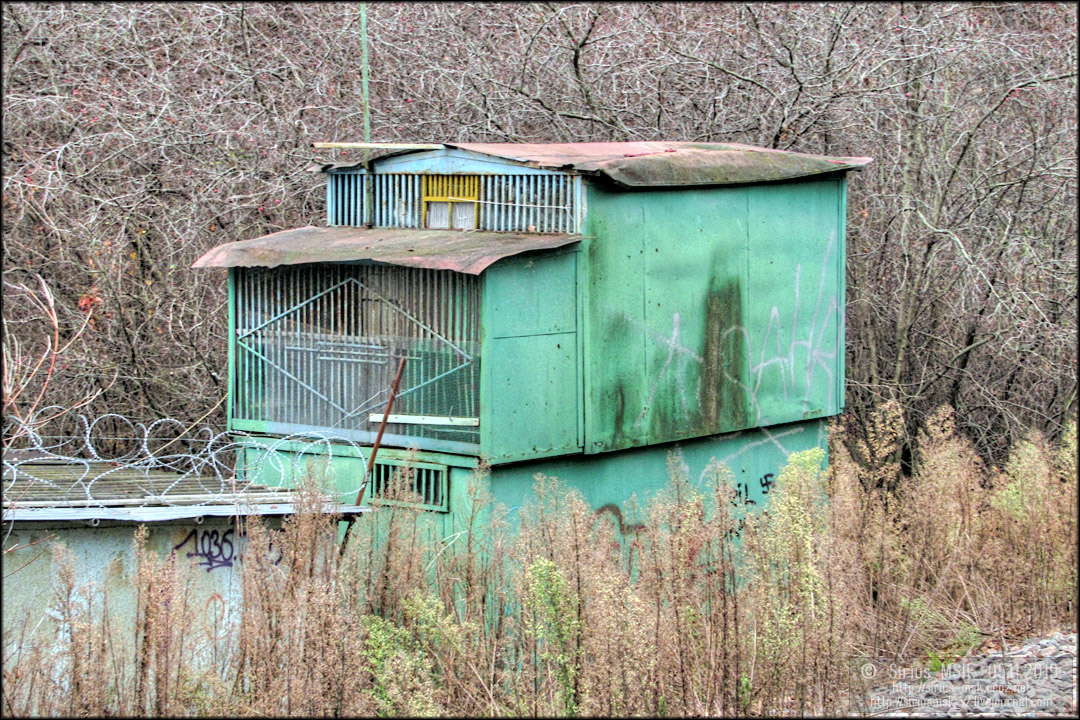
{"x":724,"y":370}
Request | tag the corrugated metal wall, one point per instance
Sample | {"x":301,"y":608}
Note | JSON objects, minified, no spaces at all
{"x":507,"y":203}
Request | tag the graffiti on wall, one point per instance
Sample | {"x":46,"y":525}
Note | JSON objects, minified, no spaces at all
{"x":742,"y":490}
{"x":742,"y":502}
{"x":675,"y":362}
{"x":216,"y":549}
{"x":800,"y":352}
{"x":819,"y":345}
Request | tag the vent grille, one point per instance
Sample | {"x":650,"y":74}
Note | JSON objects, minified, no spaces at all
{"x":411,"y":484}
{"x":450,"y":201}
{"x":507,"y":203}
{"x":529,"y":203}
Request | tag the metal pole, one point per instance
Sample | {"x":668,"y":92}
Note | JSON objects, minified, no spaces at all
{"x":369,"y":181}
{"x":375,"y":448}
{"x":364,"y":72}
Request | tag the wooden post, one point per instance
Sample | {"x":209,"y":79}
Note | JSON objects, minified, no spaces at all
{"x":375,"y":146}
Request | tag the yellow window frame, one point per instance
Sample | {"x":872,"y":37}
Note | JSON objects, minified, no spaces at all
{"x":452,"y":189}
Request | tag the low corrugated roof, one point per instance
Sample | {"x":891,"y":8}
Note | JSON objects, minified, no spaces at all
{"x":662,"y":164}
{"x":156,"y":513}
{"x":43,"y":490}
{"x":467,"y":252}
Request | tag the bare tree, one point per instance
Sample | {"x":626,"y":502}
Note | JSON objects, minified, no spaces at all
{"x":138,"y":136}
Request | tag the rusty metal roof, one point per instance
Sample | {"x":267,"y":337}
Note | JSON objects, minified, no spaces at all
{"x":43,"y":490}
{"x":661,"y":164}
{"x":467,"y":252}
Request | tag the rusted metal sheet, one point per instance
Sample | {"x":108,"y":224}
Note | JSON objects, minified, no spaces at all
{"x":375,"y":146}
{"x":652,"y":164}
{"x":105,"y":484}
{"x":663,"y":164}
{"x":59,"y":492}
{"x":467,"y":252}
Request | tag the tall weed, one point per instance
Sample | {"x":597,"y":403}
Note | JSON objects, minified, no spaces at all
{"x":701,"y":609}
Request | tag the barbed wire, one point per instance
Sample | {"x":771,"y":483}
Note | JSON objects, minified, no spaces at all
{"x":111,"y":458}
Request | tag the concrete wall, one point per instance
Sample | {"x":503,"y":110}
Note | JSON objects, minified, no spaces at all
{"x":104,"y":560}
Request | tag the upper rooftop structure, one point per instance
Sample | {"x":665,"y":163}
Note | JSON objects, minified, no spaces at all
{"x":649,"y":164}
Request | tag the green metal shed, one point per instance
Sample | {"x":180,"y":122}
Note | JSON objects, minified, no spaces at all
{"x":579,"y":310}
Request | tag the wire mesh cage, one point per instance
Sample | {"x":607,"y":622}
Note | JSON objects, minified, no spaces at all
{"x":317,"y":346}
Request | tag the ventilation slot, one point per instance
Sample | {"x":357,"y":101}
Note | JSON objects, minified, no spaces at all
{"x":529,"y":203}
{"x":419,"y":485}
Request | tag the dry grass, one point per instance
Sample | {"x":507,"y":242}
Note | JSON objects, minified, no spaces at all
{"x":695,"y":613}
{"x":960,"y":552}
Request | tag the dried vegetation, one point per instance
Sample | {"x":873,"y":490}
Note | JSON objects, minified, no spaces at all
{"x":698,"y":612}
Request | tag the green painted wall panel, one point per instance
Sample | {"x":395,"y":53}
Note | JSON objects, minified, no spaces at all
{"x":608,"y":480}
{"x":695,"y":262}
{"x":531,"y":295}
{"x":530,"y":393}
{"x":841,"y":275}
{"x":533,"y":400}
{"x":710,"y":310}
{"x":794,"y":313}
{"x":284,"y":463}
{"x":286,"y":467}
{"x":616,"y":391}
